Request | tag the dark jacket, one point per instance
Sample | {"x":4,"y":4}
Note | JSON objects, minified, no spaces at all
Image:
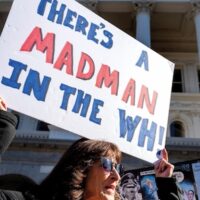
{"x":13,"y":186}
{"x":8,"y":122}
{"x":168,"y":189}
{"x":25,"y":187}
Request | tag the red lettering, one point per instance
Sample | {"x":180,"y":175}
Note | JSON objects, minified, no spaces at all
{"x":129,"y":92}
{"x":144,"y":97}
{"x":65,"y":58}
{"x":86,"y":69}
{"x":108,"y":79}
{"x":82,"y":64}
{"x":46,"y":44}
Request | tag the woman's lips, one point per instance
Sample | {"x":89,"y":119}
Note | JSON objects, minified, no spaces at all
{"x":110,"y":188}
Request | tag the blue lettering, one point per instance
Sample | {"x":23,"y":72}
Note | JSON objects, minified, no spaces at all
{"x":143,"y":59}
{"x":84,"y":101}
{"x":75,"y":22}
{"x":150,"y":134}
{"x":81,"y":25}
{"x":42,"y":6}
{"x":92,"y":33}
{"x":128,"y":124}
{"x":109,"y":43}
{"x":161,"y":135}
{"x":67,"y":92}
{"x":95,"y":111}
{"x":69,"y":18}
{"x":17,"y":69}
{"x":33,"y":83}
{"x":53,"y":12}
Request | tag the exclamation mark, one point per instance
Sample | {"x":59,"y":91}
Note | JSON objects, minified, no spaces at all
{"x":160,"y":141}
{"x":161,"y":134}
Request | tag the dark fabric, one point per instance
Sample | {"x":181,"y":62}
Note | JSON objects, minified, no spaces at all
{"x":8,"y":122}
{"x":11,"y":195}
{"x":168,"y":189}
{"x":16,"y":186}
{"x":18,"y":182}
{"x":13,"y":186}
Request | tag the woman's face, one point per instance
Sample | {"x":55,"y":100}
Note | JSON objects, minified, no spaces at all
{"x":101,"y":184}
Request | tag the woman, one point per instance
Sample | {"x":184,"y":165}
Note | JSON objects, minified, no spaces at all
{"x":89,"y":170}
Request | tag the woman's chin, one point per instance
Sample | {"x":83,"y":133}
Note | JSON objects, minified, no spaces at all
{"x":108,"y":194}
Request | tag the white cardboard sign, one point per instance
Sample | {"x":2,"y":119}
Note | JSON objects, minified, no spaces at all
{"x":65,"y":65}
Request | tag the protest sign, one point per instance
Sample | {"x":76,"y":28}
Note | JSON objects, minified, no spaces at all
{"x":63,"y":64}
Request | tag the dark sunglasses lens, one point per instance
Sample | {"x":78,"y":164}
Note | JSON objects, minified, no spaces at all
{"x":106,"y":164}
{"x":120,"y":169}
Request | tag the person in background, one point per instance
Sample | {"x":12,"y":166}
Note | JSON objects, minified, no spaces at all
{"x":130,"y":187}
{"x":88,"y":170}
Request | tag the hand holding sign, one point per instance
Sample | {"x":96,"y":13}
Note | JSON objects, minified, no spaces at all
{"x":162,"y":167}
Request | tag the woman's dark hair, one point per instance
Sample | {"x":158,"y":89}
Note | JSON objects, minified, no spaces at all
{"x":67,"y":180}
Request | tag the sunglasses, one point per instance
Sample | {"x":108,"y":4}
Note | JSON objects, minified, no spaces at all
{"x":108,"y":166}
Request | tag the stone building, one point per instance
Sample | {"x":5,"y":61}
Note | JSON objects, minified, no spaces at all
{"x":169,"y":27}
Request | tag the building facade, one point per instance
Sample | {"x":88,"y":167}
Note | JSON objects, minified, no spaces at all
{"x":169,"y":27}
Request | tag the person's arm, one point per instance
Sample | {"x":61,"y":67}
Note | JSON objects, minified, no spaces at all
{"x":167,"y":187}
{"x":8,"y":122}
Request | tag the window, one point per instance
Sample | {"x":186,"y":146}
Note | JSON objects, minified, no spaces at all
{"x":42,"y":126}
{"x":177,"y":85}
{"x":176,"y":129}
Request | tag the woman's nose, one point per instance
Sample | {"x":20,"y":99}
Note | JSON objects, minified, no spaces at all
{"x":115,"y":174}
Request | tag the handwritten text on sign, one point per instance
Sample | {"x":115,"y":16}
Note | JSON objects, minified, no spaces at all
{"x":85,"y":76}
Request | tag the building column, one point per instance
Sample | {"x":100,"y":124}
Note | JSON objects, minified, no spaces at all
{"x":143,"y":32}
{"x":196,"y":6}
{"x":190,"y":78}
